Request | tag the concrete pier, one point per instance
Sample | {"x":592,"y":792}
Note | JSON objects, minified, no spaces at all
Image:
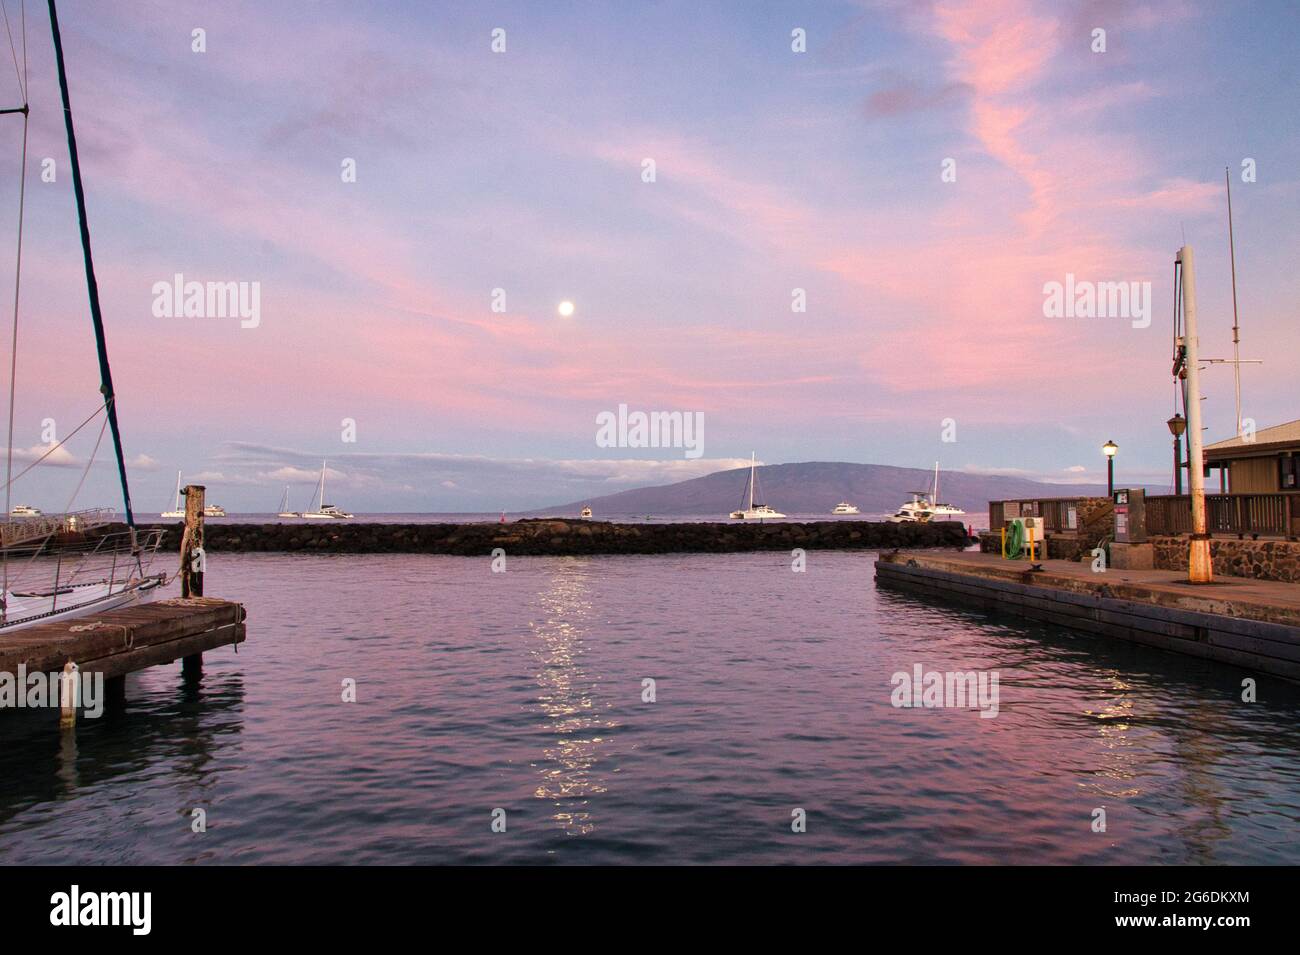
{"x":1249,"y":623}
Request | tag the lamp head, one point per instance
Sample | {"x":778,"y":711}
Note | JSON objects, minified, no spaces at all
{"x":1177,"y":425}
{"x":1110,"y":449}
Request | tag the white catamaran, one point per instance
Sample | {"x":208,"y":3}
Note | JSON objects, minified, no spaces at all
{"x":754,"y":512}
{"x":923,"y":507}
{"x":52,"y":567}
{"x":325,"y":512}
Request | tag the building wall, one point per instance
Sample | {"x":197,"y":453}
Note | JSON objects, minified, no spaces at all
{"x":1253,"y":476}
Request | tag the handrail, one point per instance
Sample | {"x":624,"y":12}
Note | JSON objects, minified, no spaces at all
{"x":18,"y":530}
{"x":1275,"y":514}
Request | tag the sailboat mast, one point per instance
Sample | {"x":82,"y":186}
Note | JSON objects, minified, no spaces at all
{"x":177,"y":505}
{"x":92,"y":287}
{"x":322,"y":486}
{"x":1236,"y":336}
{"x":936,"y":483}
{"x":751,"y":480}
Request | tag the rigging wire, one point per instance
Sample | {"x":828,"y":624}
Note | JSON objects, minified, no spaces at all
{"x":19,"y":72}
{"x":18,"y":273}
{"x":54,"y":447}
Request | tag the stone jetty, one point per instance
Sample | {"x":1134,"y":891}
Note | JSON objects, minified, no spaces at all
{"x":558,"y":537}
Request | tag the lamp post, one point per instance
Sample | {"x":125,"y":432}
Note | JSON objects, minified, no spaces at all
{"x":1110,"y":449}
{"x":1177,"y":425}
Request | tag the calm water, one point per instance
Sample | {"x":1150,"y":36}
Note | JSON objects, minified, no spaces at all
{"x":522,"y":690}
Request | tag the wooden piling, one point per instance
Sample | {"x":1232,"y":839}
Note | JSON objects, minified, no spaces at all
{"x":192,"y":562}
{"x":68,"y":695}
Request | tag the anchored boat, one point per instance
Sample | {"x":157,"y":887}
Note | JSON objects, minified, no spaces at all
{"x":325,"y":512}
{"x":176,"y":507}
{"x":284,"y":505}
{"x":754,"y":512}
{"x":922,"y":507}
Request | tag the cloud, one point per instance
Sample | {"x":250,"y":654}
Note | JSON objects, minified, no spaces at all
{"x":907,"y":96}
{"x":431,"y":480}
{"x":142,"y":462}
{"x":296,"y":475}
{"x":59,"y":457}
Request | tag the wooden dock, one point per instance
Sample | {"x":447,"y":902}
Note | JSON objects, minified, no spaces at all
{"x":118,"y":642}
{"x":1253,"y":624}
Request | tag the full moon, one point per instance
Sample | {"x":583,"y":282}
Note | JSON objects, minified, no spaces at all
{"x":566,"y":308}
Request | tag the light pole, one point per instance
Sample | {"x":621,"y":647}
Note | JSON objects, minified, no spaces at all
{"x":1110,"y":449}
{"x":1177,"y":425}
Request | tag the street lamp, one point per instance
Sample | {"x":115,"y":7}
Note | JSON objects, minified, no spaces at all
{"x":1177,"y":425}
{"x":1110,"y":449}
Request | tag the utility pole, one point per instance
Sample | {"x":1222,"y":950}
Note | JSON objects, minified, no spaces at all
{"x":1200,"y":569}
{"x":1236,"y":332}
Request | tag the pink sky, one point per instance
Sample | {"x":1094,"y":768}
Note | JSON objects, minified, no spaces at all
{"x":522,"y":170}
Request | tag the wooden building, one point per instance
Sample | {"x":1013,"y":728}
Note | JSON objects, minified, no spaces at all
{"x":1268,"y":464}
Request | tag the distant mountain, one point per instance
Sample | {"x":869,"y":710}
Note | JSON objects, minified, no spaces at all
{"x":814,"y":487}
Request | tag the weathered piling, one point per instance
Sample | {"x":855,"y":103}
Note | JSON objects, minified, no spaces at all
{"x":561,"y":537}
{"x":192,"y":563}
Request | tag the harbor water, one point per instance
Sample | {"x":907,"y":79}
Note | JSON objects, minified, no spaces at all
{"x":648,"y":709}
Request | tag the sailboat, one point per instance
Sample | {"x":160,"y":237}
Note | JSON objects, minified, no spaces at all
{"x":923,"y":506}
{"x":86,"y":575}
{"x":176,"y":510}
{"x":325,"y":512}
{"x":284,"y":505}
{"x":755,"y":512}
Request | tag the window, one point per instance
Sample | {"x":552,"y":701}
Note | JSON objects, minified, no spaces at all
{"x":1288,"y":472}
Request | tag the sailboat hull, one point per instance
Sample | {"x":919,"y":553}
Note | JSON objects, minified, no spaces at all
{"x":77,"y":601}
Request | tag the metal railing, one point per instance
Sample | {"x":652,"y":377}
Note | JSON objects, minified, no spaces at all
{"x":18,"y":530}
{"x":1272,"y":515}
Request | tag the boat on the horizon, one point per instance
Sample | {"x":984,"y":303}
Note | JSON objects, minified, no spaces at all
{"x":284,"y":505}
{"x":754,"y":512}
{"x":585,"y":513}
{"x":214,"y":510}
{"x":923,"y":508}
{"x":845,"y":508}
{"x":176,"y":507}
{"x":26,"y":510}
{"x":325,"y":512}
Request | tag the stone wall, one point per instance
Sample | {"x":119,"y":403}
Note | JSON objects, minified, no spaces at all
{"x":1261,"y":559}
{"x":561,"y":537}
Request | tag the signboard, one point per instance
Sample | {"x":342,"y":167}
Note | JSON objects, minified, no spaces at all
{"x":1130,"y":516}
